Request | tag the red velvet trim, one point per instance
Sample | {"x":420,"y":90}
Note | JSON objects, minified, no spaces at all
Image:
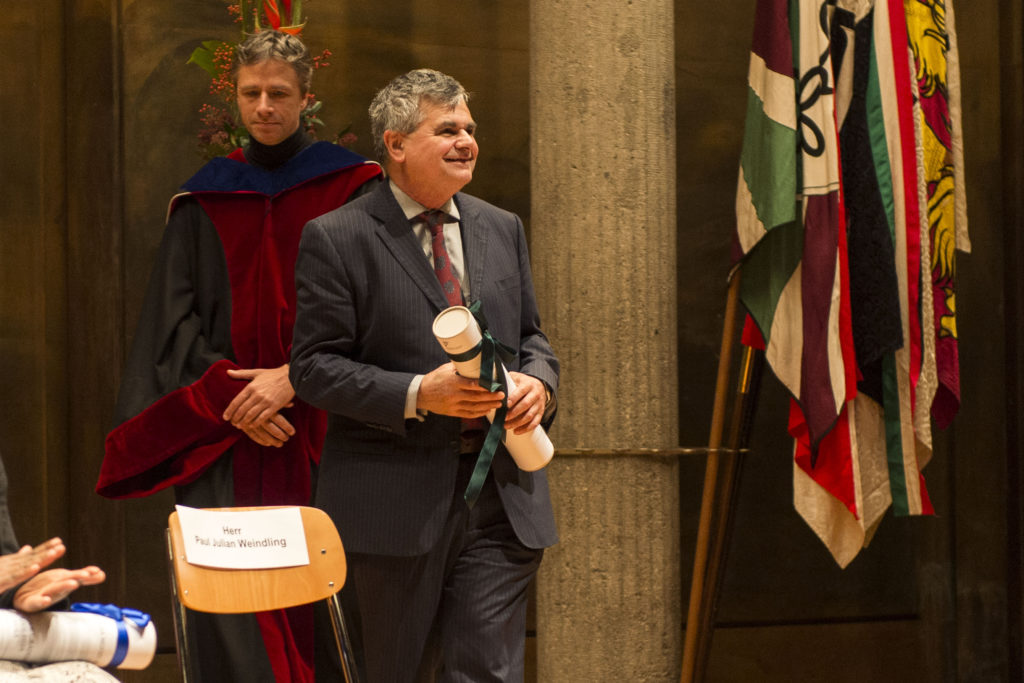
{"x":173,"y":440}
{"x":261,"y":236}
{"x":288,"y":639}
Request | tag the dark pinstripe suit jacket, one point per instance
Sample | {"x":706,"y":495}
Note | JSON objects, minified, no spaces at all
{"x":366,"y":298}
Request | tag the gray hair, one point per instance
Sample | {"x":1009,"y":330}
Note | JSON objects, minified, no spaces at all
{"x":270,"y":44}
{"x":397,"y":106}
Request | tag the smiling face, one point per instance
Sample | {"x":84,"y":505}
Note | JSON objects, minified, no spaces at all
{"x":436,"y":160}
{"x":270,"y":100}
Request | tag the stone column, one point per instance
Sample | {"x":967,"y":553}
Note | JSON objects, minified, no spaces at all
{"x":603,"y":242}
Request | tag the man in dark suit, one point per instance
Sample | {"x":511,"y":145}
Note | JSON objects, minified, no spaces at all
{"x":440,"y":583}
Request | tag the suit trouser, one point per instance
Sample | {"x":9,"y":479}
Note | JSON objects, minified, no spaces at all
{"x":456,"y":613}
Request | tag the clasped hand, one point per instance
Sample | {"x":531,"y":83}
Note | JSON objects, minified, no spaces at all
{"x":256,"y":408}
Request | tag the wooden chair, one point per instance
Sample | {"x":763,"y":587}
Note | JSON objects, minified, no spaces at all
{"x":233,"y":591}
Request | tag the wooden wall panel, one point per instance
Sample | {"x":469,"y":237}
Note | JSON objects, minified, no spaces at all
{"x":33,"y":307}
{"x":1012,"y":74}
{"x":885,"y":651}
{"x":93,"y":236}
{"x":977,"y":447}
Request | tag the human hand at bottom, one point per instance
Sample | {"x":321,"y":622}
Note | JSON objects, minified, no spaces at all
{"x":53,"y":585}
{"x":26,"y":563}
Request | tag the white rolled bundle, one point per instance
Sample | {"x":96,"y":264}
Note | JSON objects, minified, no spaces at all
{"x":46,"y":637}
{"x":458,"y":333}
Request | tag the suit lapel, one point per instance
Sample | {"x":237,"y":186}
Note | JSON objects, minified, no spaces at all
{"x":394,"y":230}
{"x":474,"y":245}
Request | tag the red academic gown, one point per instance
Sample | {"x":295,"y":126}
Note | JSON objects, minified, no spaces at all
{"x":222,"y":295}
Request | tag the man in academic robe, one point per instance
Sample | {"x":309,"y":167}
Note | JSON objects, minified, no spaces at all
{"x":205,"y":403}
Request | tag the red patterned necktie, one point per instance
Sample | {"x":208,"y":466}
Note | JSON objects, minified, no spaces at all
{"x":435,"y":220}
{"x":473,"y":430}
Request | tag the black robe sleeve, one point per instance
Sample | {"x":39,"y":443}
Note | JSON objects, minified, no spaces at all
{"x":175,"y":385}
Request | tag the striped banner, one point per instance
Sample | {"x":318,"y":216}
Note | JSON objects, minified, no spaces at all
{"x":847,"y":208}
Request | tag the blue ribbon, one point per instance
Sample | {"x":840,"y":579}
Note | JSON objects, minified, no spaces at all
{"x":488,"y":348}
{"x":119,"y":615}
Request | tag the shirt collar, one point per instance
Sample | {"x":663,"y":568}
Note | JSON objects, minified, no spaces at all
{"x":412,"y":208}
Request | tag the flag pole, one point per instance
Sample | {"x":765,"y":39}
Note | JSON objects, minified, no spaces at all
{"x":707,"y":507}
{"x":748,"y":385}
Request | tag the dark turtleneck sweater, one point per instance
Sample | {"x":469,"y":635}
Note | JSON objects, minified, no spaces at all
{"x":270,"y":157}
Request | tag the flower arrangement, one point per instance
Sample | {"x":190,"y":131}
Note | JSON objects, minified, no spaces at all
{"x":221,"y":130}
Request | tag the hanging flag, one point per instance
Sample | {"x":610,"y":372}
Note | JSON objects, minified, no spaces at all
{"x":932,"y":38}
{"x":790,"y":222}
{"x":791,"y":231}
{"x":902,"y":369}
{"x":834,"y":242}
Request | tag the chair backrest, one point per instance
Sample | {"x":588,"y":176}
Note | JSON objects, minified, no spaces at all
{"x":230,"y":591}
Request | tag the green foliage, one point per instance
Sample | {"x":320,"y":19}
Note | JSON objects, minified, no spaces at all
{"x":203,"y":56}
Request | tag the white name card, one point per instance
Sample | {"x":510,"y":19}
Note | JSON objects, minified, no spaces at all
{"x":243,"y":539}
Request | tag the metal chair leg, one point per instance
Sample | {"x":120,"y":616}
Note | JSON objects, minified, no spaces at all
{"x":180,"y":622}
{"x":341,"y":639}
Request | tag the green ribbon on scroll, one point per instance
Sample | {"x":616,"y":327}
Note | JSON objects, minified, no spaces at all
{"x":490,"y":350}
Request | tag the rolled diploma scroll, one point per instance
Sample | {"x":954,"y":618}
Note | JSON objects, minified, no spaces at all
{"x":46,"y":637}
{"x":458,"y":331}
